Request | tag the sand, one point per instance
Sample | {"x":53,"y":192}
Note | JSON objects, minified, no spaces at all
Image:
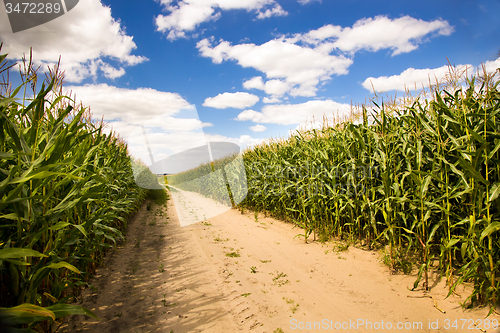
{"x":234,"y":273}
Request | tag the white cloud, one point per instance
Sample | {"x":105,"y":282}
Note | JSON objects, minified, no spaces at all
{"x":86,"y":38}
{"x":258,"y":128}
{"x":288,"y":114}
{"x":492,"y":66}
{"x":275,"y":11}
{"x":172,"y":124}
{"x":187,"y":15}
{"x":305,"y":2}
{"x":298,"y":65}
{"x":130,"y":105}
{"x":411,"y":79}
{"x":244,"y":141}
{"x":238,"y":100}
{"x":291,"y":68}
{"x":254,"y":83}
{"x":271,"y":100}
{"x":401,"y":35}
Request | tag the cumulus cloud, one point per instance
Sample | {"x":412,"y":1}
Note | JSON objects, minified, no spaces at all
{"x":254,"y":83}
{"x":171,"y":123}
{"x":401,"y":35}
{"x":187,"y":15}
{"x":244,"y":141}
{"x":87,"y":38}
{"x":271,"y":100}
{"x":492,"y":66}
{"x":299,"y":64}
{"x":305,"y":2}
{"x":132,"y":105}
{"x":175,"y":121}
{"x":258,"y":128}
{"x":290,"y":68}
{"x":288,"y":114}
{"x":411,"y":78}
{"x":238,"y":100}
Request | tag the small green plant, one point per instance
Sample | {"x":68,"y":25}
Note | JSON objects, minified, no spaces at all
{"x":294,"y":306}
{"x":165,"y":303}
{"x":161,"y":269}
{"x":246,"y":294}
{"x":265,"y":261}
{"x":218,"y":239}
{"x":279,"y":279}
{"x":256,"y":215}
{"x":232,"y":254}
{"x":253,"y":269}
{"x":341,"y":247}
{"x":278,"y":330}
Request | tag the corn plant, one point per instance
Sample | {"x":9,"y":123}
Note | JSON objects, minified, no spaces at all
{"x":66,"y":192}
{"x":427,"y":191}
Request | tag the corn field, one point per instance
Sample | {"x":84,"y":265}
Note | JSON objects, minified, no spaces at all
{"x":66,"y":191}
{"x":422,"y":181}
{"x":222,"y":179}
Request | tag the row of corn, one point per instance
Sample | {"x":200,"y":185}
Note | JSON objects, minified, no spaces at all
{"x":66,"y":192}
{"x":421,"y":182}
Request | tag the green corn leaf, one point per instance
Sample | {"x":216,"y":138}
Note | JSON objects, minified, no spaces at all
{"x":452,"y":243}
{"x":25,"y":314}
{"x":494,"y":192}
{"x":81,"y":228}
{"x":63,"y":310}
{"x":15,"y":252}
{"x":59,"y":226}
{"x":490,"y":229}
{"x":17,"y":262}
{"x":63,"y":264}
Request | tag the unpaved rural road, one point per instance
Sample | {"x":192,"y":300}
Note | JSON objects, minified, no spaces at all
{"x":232,"y":273}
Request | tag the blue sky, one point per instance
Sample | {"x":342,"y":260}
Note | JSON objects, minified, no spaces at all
{"x":252,"y":69}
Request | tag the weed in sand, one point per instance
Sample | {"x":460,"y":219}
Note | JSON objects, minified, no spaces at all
{"x":218,"y":239}
{"x":279,"y":279}
{"x":294,"y":306}
{"x":232,"y":254}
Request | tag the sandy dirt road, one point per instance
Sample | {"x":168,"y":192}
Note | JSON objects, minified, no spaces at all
{"x":234,"y":273}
